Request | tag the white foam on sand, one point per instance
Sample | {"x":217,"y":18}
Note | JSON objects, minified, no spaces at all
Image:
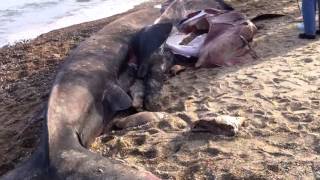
{"x":27,"y":19}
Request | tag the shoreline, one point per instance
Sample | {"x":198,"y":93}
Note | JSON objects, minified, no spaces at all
{"x":20,"y":24}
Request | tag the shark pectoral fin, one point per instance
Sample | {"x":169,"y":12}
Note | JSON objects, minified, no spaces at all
{"x":152,"y":37}
{"x":149,"y":40}
{"x":116,"y":98}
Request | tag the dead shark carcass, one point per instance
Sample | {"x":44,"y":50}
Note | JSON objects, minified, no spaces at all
{"x":87,"y":93}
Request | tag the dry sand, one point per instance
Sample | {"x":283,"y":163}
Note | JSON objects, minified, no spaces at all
{"x":278,"y":95}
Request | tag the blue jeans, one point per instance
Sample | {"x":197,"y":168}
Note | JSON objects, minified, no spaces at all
{"x":309,"y":16}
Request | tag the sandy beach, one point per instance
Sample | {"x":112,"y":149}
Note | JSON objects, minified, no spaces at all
{"x":278,"y":96}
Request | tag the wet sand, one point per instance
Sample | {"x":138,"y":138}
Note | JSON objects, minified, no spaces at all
{"x":278,"y":96}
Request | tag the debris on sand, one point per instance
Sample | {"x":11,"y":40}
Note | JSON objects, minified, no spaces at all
{"x":221,"y":125}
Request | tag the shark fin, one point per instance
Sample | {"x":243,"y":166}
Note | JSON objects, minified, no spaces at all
{"x":116,"y":98}
{"x":147,"y":42}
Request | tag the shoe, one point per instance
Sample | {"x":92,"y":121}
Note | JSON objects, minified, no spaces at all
{"x":307,"y":36}
{"x":318,"y":32}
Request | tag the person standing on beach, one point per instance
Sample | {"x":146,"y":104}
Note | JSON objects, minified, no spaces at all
{"x":309,"y":19}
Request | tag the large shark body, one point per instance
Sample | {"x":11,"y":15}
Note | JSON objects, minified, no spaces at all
{"x":85,"y":96}
{"x":87,"y":93}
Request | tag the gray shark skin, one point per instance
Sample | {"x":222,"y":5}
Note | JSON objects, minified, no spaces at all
{"x":147,"y":36}
{"x":85,"y":96}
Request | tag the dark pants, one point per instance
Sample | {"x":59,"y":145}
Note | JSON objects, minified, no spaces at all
{"x":309,"y":16}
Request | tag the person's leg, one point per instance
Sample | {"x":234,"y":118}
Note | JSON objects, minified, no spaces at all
{"x":318,"y":2}
{"x":309,"y":15}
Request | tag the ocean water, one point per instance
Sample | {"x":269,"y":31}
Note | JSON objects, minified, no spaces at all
{"x":26,"y":19}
